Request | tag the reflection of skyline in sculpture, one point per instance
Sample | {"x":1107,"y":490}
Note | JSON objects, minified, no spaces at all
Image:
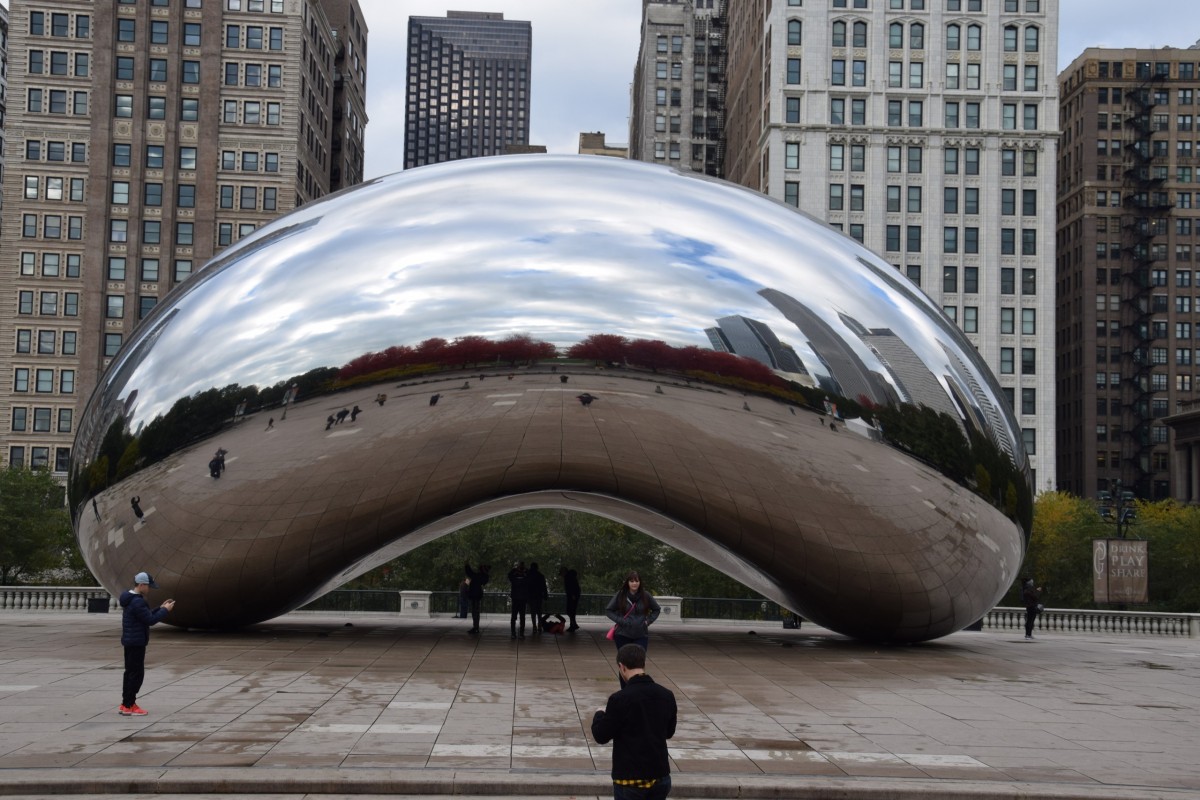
{"x":916,"y":383}
{"x":848,"y":372}
{"x":987,"y":419}
{"x":754,"y":339}
{"x":621,"y":265}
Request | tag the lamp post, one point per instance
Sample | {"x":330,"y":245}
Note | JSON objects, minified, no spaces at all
{"x":1116,"y":507}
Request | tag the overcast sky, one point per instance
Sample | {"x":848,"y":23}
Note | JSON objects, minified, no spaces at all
{"x":584,"y":51}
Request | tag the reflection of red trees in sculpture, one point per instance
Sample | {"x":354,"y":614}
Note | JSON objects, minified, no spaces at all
{"x":655,"y":355}
{"x":465,"y":351}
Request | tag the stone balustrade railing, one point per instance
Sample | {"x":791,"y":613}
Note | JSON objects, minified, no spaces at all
{"x":1059,"y":620}
{"x":50,"y":598}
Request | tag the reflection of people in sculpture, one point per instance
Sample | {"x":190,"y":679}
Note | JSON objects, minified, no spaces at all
{"x":571,"y":588}
{"x":137,"y":508}
{"x":217,"y":465}
{"x":354,"y":412}
{"x":478,"y":581}
{"x":381,"y":398}
{"x":341,"y":415}
{"x":270,"y":423}
{"x":585,"y":398}
{"x":329,"y":422}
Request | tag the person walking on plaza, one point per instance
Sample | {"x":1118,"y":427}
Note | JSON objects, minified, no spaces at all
{"x":632,"y":611}
{"x":570,"y":580}
{"x":136,"y":619}
{"x":536,"y":594}
{"x":1031,"y":596}
{"x":638,"y":720}
{"x":475,"y":593}
{"x":519,"y":595}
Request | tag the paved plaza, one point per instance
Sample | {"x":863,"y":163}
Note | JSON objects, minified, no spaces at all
{"x":371,"y":704}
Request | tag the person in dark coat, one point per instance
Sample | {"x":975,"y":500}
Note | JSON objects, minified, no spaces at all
{"x":519,"y":596}
{"x":478,"y":580}
{"x":136,"y":503}
{"x":136,"y":619}
{"x":1031,"y":596}
{"x":535,"y":595}
{"x":570,"y":580}
{"x":354,"y":412}
{"x":638,"y":720}
{"x":633,"y":610}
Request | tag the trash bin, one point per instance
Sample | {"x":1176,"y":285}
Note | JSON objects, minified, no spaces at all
{"x":97,"y":605}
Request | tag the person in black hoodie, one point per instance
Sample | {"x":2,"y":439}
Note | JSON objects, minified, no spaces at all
{"x":519,"y":596}
{"x":475,"y":592}
{"x":638,"y":720}
{"x":536,"y":594}
{"x":1031,"y":596}
{"x":136,"y":619}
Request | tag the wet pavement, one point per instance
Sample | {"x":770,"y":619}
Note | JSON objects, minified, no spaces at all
{"x":372,"y":704}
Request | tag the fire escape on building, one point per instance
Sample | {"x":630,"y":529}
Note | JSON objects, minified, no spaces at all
{"x":1145,"y":223}
{"x":712,"y":56}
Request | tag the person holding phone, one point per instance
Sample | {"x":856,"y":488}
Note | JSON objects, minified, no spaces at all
{"x":136,"y":619}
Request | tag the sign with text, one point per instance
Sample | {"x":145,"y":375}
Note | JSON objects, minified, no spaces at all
{"x":1120,"y":571}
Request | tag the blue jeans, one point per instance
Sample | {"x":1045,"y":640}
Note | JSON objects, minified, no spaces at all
{"x":658,"y":791}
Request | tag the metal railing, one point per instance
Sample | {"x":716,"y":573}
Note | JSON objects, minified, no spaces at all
{"x":692,"y":609}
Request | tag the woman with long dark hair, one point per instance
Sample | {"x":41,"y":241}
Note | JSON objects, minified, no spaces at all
{"x":633,"y":610}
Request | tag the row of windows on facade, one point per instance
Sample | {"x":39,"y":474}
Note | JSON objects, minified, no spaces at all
{"x":1184,"y":149}
{"x":1144,"y":70}
{"x":1105,"y":433}
{"x":1158,"y":356}
{"x":233,"y":112}
{"x":914,"y":117}
{"x":41,"y":420}
{"x":970,"y":242}
{"x":237,"y":37}
{"x":185,"y":195}
{"x":957,"y":78}
{"x":856,"y":34}
{"x":970,"y":6}
{"x":39,"y":457}
{"x":1008,"y":285}
{"x":1114,"y":251}
{"x":910,"y":159}
{"x":700,"y":71}
{"x":1159,"y":97}
{"x":42,"y":381}
{"x":909,"y":200}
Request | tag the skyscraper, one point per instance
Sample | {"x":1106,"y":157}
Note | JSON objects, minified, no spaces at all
{"x":468,"y":86}
{"x":148,"y":136}
{"x":1128,"y":317}
{"x":678,"y":94}
{"x":926,"y":129}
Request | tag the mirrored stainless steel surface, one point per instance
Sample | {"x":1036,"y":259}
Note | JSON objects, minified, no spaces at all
{"x":680,"y":354}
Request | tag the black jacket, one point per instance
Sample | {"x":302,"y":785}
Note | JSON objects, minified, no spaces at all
{"x":478,"y":581}
{"x":136,"y":618}
{"x":638,"y":720}
{"x":535,"y":585}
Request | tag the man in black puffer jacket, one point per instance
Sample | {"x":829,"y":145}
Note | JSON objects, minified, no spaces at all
{"x":136,"y":619}
{"x":638,"y":720}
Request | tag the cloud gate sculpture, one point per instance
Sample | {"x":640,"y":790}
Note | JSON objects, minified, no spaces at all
{"x":676,"y":353}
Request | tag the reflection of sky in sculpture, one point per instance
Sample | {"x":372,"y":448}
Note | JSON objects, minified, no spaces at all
{"x":554,"y":247}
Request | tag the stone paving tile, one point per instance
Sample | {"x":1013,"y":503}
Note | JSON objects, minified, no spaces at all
{"x":306,"y":692}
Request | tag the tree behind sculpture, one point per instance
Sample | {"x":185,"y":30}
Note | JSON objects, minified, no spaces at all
{"x":35,"y":530}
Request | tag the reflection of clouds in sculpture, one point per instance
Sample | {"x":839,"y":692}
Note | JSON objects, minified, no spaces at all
{"x":559,"y":249}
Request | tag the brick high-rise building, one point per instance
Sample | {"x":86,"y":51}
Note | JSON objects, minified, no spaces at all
{"x":468,"y":86}
{"x":678,"y":94}
{"x":143,"y":138}
{"x":1128,"y":319}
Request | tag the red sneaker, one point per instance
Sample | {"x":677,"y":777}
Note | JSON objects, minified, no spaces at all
{"x":124,"y":711}
{"x":136,"y":711}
